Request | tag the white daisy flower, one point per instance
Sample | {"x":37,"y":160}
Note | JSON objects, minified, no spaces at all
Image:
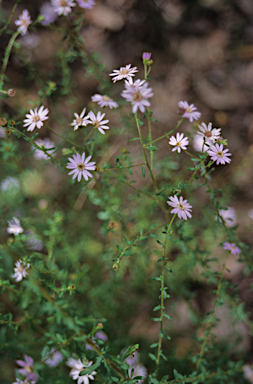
{"x":86,"y":4}
{"x":20,"y":271}
{"x":104,"y":101}
{"x":98,"y":121}
{"x":63,"y":7}
{"x":229,"y":216}
{"x":71,"y":362}
{"x":35,"y":118}
{"x":218,"y":154}
{"x":198,"y":144}
{"x":14,"y":226}
{"x":139,"y":370}
{"x":179,"y":142}
{"x":123,"y":73}
{"x":80,"y":121}
{"x":188,"y":111}
{"x":209,"y":133}
{"x":79,"y":367}
{"x":23,"y":22}
{"x":81,"y":166}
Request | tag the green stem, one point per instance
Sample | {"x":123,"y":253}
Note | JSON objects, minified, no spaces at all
{"x":166,"y":135}
{"x":162,"y":297}
{"x":149,"y":168}
{"x":8,"y":21}
{"x":7,"y":53}
{"x":207,"y":332}
{"x":64,"y":138}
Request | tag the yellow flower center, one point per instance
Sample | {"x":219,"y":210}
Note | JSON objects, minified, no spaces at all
{"x":63,"y":3}
{"x":208,"y":134}
{"x":188,"y":109}
{"x":123,"y":71}
{"x":36,"y":118}
{"x":219,"y":154}
{"x":137,"y":96}
{"x":181,"y":206}
{"x":81,"y":166}
{"x":96,"y":123}
{"x":79,"y":121}
{"x":106,"y":98}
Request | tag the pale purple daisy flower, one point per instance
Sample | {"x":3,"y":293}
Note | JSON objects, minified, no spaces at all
{"x":47,"y":10}
{"x":63,"y":7}
{"x":18,"y":381}
{"x":46,"y":144}
{"x":27,"y":368}
{"x":79,"y":367}
{"x":198,"y":144}
{"x":86,"y":4}
{"x":180,"y":207}
{"x":104,"y":101}
{"x":80,"y":121}
{"x":20,"y":270}
{"x":139,"y":370}
{"x":229,"y":216}
{"x":23,"y":22}
{"x":14,"y":226}
{"x":123,"y":73}
{"x":98,"y":335}
{"x":188,"y":111}
{"x":232,"y":248}
{"x":53,"y":358}
{"x":179,"y":142}
{"x":137,"y":94}
{"x":218,"y":154}
{"x":35,"y":118}
{"x":132,"y":359}
{"x":146,"y":56}
{"x":209,"y":133}
{"x":98,"y":122}
{"x":248,"y":372}
{"x":81,"y":166}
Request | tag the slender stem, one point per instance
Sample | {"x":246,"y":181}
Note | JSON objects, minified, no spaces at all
{"x":127,"y":167}
{"x":202,"y":351}
{"x":7,"y":53}
{"x":64,"y":138}
{"x":149,"y":168}
{"x":162,"y":297}
{"x":8,"y":21}
{"x":166,"y":135}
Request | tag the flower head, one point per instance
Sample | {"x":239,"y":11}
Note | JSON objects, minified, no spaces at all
{"x":218,"y":154}
{"x":27,"y":368}
{"x":18,"y":381}
{"x":20,"y":270}
{"x":180,"y":207}
{"x":46,"y":144}
{"x":10,"y":185}
{"x":229,"y":216}
{"x":80,"y":121}
{"x":123,"y":73}
{"x":81,"y":166}
{"x":132,"y":359}
{"x":146,"y":56}
{"x":104,"y":101}
{"x":188,"y":111}
{"x":72,"y":362}
{"x":86,"y":4}
{"x":62,"y":7}
{"x":23,"y":22}
{"x":14,"y":226}
{"x":139,"y":370}
{"x":53,"y":358}
{"x":232,"y":248}
{"x":138,"y":94}
{"x":48,"y":11}
{"x":33,"y":242}
{"x":78,"y":368}
{"x":36,"y":118}
{"x":179,"y":142}
{"x":98,"y":121}
{"x":208,"y":133}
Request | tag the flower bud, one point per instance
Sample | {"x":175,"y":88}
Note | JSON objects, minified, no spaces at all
{"x":11,"y":92}
{"x":115,"y":266}
{"x":3,"y":121}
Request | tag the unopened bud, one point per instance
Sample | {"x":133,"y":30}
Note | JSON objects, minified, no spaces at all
{"x":11,"y":92}
{"x":112,"y":224}
{"x":115,"y":266}
{"x":3,"y":121}
{"x":100,"y":325}
{"x":12,"y":122}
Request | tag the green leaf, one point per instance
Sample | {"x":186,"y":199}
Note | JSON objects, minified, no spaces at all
{"x":152,"y":357}
{"x":154,"y":345}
